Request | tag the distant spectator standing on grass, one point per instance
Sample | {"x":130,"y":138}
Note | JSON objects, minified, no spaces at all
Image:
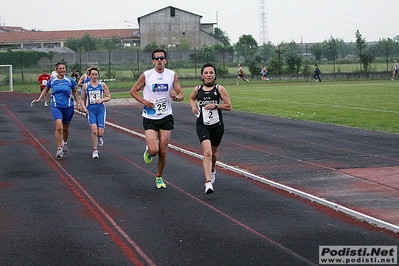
{"x":316,"y":73}
{"x":75,"y":75}
{"x":43,"y":80}
{"x":240,"y":71}
{"x":160,"y":86}
{"x":94,"y":94}
{"x":207,"y":102}
{"x":395,"y":70}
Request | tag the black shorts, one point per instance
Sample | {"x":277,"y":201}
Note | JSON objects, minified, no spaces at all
{"x":214,"y":134}
{"x":166,"y":123}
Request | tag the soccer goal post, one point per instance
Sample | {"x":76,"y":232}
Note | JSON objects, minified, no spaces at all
{"x":5,"y":76}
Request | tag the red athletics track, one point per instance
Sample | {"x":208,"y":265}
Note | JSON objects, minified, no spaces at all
{"x":80,"y":211}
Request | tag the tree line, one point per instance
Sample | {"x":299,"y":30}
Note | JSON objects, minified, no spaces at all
{"x":284,"y":58}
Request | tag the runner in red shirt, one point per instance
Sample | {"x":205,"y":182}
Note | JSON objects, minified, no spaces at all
{"x":43,"y":79}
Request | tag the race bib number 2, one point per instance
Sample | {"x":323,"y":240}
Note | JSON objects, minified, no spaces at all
{"x":210,"y":117}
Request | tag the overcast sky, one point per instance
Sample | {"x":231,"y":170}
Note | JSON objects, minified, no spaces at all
{"x":286,"y":20}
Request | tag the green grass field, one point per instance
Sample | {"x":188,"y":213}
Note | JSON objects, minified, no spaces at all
{"x":372,"y":105}
{"x":368,"y":105}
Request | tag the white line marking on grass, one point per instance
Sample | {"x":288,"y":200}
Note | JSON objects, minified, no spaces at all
{"x":326,"y":105}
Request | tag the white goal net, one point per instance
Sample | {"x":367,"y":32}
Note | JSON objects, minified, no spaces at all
{"x":6,"y":78}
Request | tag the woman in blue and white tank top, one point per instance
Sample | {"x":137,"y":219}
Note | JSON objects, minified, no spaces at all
{"x":92,"y":99}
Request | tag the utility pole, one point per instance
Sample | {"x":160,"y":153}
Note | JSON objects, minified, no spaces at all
{"x":263,"y":33}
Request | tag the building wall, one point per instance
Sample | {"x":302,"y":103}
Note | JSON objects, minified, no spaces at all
{"x":207,"y":27}
{"x":207,"y":39}
{"x":167,"y":29}
{"x":53,"y":39}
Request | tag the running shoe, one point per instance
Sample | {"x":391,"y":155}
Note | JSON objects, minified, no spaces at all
{"x":147,"y":157}
{"x":59,"y":153}
{"x":64,"y":148}
{"x":100,"y":141}
{"x":159,"y":182}
{"x":208,"y":187}
{"x":95,"y":154}
{"x":45,"y":104}
{"x":247,"y":80}
{"x":213,"y":176}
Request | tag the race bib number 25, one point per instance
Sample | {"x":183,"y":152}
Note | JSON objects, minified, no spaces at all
{"x":161,"y":106}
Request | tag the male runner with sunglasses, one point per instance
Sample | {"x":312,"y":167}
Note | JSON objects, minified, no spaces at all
{"x":160,"y":86}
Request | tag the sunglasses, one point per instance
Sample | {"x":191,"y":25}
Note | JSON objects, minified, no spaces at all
{"x":156,"y":58}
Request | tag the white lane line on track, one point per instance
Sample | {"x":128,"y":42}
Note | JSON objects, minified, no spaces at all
{"x":330,"y":204}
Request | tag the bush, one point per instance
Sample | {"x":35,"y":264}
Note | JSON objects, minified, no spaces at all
{"x":222,"y":71}
{"x":254,"y":69}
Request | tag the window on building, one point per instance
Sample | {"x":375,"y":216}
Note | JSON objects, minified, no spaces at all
{"x":172,"y":12}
